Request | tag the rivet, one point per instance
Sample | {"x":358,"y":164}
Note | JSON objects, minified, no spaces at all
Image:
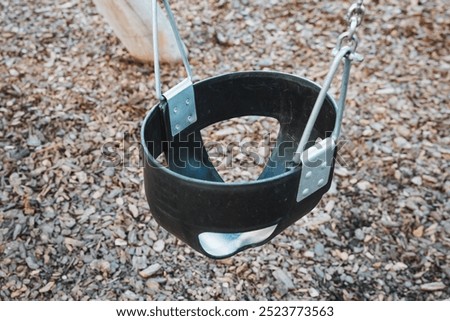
{"x":308,"y":175}
{"x":177,"y":127}
{"x":305,"y":191}
{"x":188,"y":101}
{"x":320,"y":182}
{"x":190,"y":118}
{"x":175,"y":110}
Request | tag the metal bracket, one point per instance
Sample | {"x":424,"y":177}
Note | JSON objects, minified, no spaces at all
{"x":316,"y":167}
{"x":181,"y":104}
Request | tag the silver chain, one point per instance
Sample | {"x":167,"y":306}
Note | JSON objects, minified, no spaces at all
{"x":356,"y":10}
{"x":355,"y":15}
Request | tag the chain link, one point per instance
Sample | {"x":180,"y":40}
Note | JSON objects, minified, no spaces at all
{"x":356,"y":12}
{"x":355,"y":15}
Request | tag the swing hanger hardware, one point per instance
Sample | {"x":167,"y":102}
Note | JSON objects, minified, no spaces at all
{"x":180,"y":100}
{"x":316,"y":160}
{"x":355,"y":16}
{"x":356,"y":13}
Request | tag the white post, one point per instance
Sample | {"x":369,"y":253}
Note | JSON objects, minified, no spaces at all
{"x":131,"y":21}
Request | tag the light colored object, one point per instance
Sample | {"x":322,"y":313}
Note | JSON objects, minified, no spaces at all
{"x":131,"y":21}
{"x":316,"y":168}
{"x":224,"y":244}
{"x":149,"y":271}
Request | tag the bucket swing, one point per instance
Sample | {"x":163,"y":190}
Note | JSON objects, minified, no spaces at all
{"x":189,"y":198}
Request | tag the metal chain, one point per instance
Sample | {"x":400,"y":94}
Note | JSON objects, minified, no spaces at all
{"x":355,"y":15}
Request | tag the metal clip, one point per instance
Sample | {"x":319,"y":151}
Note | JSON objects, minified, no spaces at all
{"x":316,"y":167}
{"x":181,"y":104}
{"x":356,"y":10}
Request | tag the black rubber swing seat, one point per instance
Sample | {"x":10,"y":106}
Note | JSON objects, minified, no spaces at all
{"x":189,"y":198}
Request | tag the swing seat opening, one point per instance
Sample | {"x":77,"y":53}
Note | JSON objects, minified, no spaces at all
{"x":190,"y":199}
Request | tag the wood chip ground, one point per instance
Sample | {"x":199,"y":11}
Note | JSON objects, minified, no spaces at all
{"x":74,"y":221}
